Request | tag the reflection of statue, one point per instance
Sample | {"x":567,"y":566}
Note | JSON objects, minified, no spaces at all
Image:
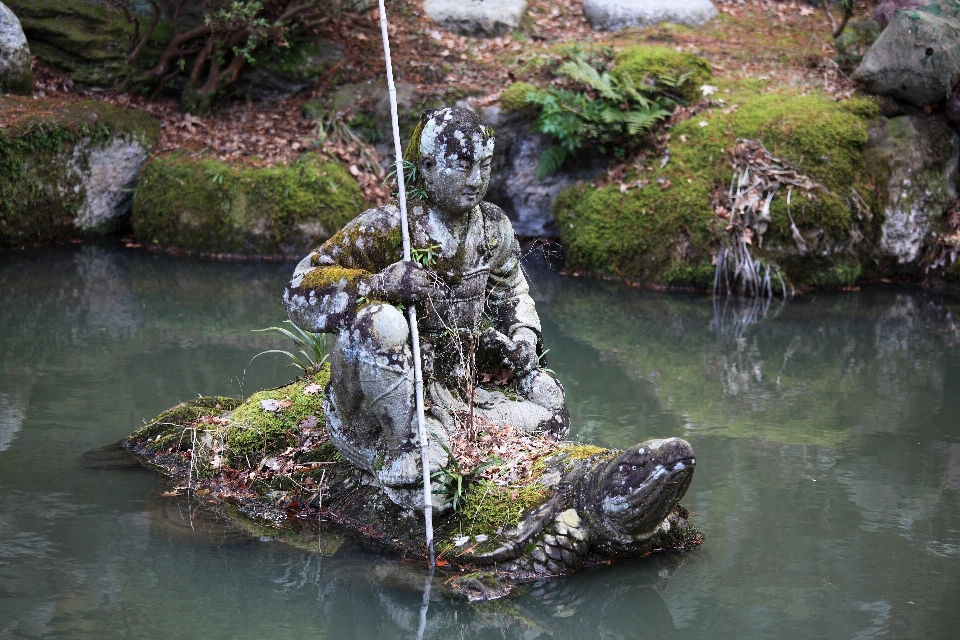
{"x":474,"y":308}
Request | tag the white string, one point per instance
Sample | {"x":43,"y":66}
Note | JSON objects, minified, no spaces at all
{"x":411,"y":312}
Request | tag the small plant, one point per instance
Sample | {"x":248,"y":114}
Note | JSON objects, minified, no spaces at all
{"x":610,"y":116}
{"x":425,"y":257}
{"x":312,"y":346}
{"x":411,"y":173}
{"x":452,"y":481}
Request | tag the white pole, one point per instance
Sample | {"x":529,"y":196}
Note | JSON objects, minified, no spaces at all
{"x":411,"y":312}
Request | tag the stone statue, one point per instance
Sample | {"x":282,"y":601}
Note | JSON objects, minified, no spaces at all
{"x":477,"y":320}
{"x":483,"y":368}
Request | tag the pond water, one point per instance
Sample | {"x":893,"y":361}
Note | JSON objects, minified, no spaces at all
{"x":827,"y":434}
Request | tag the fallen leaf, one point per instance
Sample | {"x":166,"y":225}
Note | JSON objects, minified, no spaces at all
{"x":806,"y":11}
{"x":312,"y":389}
{"x":271,"y":405}
{"x":703,"y":123}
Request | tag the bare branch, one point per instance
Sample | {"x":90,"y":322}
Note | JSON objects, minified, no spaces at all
{"x":134,"y":56}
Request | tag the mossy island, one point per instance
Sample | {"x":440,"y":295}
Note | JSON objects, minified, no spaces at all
{"x":267,"y":462}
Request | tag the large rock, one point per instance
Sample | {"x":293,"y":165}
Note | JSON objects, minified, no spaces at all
{"x":15,"y":73}
{"x":68,"y":169}
{"x":476,"y":17}
{"x":89,"y":42}
{"x":915,"y":158}
{"x":613,"y":15}
{"x":514,"y":186}
{"x":917,"y":57}
{"x":207,"y":206}
{"x":281,"y":73}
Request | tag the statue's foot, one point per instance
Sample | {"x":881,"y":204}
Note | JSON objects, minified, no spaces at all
{"x":400,"y":468}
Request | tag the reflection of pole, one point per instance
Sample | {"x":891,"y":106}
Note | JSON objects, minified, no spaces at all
{"x":412,"y":312}
{"x":425,"y":605}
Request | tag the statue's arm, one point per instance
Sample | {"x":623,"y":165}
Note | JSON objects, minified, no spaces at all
{"x":329,"y":284}
{"x":508,"y":293}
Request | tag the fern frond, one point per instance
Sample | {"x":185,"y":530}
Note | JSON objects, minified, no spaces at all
{"x":550,"y":160}
{"x":582,"y":72}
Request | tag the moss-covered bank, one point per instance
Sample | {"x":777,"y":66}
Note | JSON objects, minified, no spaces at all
{"x":205,"y":205}
{"x":66,"y":167}
{"x":661,"y":228}
{"x":87,"y":41}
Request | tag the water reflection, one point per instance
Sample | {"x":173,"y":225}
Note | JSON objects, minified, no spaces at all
{"x":827,"y":433}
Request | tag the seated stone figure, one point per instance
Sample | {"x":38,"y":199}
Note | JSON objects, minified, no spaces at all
{"x":477,"y":320}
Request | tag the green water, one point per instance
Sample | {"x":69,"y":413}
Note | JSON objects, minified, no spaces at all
{"x":827,"y":438}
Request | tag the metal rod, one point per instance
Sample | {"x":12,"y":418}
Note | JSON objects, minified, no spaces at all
{"x":412,"y":312}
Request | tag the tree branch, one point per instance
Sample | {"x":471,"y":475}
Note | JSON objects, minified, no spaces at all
{"x":134,"y":56}
{"x":171,"y":51}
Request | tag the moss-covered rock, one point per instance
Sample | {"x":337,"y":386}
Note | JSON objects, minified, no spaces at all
{"x":205,"y":205}
{"x":665,"y":69}
{"x":85,"y":40}
{"x":67,"y":168}
{"x":666,"y":231}
{"x":271,"y":457}
{"x":913,"y":162}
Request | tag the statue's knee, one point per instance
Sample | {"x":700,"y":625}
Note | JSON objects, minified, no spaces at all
{"x":383,"y":325}
{"x":543,"y":389}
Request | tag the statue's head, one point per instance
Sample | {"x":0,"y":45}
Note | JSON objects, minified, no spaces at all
{"x":452,"y":149}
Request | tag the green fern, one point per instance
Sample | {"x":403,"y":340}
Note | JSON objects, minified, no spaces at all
{"x":614,"y":121}
{"x":550,"y":160}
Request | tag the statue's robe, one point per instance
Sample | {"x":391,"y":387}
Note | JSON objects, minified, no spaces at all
{"x":371,"y":411}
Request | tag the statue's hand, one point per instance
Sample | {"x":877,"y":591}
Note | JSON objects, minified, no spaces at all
{"x":404,"y":281}
{"x":519,"y":353}
{"x":523,"y":352}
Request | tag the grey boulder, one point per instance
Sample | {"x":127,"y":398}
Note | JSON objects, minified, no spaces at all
{"x":917,"y":57}
{"x":15,"y":73}
{"x":476,"y":17}
{"x":613,"y":15}
{"x":917,"y":156}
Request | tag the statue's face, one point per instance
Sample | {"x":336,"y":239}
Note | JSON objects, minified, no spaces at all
{"x":455,"y":163}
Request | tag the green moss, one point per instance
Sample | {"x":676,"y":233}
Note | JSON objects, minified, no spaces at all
{"x":174,"y":420}
{"x":207,"y":205}
{"x":664,"y":68}
{"x":514,"y":98}
{"x":87,"y":41}
{"x":324,"y":277}
{"x":668,"y":235}
{"x":487,"y":507}
{"x":44,"y":149}
{"x":255,"y":431}
{"x":584,"y":451}
{"x":836,"y":276}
